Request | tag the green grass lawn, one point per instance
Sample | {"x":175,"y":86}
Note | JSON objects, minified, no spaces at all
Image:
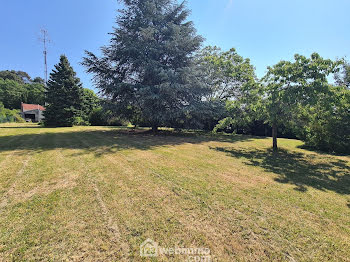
{"x":95,"y":194}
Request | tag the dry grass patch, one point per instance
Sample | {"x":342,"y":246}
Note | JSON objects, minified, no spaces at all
{"x":94,"y":193}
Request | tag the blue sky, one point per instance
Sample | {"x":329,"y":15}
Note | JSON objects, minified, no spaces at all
{"x":265,"y":31}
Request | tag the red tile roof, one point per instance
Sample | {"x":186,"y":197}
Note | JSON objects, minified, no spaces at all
{"x":28,"y":107}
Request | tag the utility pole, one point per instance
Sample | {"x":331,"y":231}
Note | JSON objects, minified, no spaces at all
{"x":45,"y":40}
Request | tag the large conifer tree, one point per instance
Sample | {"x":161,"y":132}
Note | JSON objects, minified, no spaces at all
{"x":63,"y":95}
{"x":148,"y":64}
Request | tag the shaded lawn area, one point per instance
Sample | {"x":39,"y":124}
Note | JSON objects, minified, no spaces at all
{"x":96,"y":193}
{"x":302,"y":170}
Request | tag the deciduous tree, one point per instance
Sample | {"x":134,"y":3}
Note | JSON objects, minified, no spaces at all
{"x":228,"y":75}
{"x":293,"y":85}
{"x":90,"y":102}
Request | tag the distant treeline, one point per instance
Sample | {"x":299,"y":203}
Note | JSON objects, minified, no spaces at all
{"x":17,"y":87}
{"x":154,"y":72}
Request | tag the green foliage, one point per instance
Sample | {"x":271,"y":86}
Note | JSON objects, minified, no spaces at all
{"x":227,"y":74}
{"x":101,"y":116}
{"x":203,"y":115}
{"x":290,"y":86}
{"x":241,"y":113}
{"x":90,"y":101}
{"x":147,"y":68}
{"x":18,"y":76}
{"x":223,"y":124}
{"x":296,"y":99}
{"x":63,"y":95}
{"x":39,"y":80}
{"x":79,"y":121}
{"x":231,"y":79}
{"x":18,"y":87}
{"x":98,"y":117}
{"x":35,"y":93}
{"x":328,"y":126}
{"x":343,"y":77}
{"x":11,"y":93}
{"x":8,"y":116}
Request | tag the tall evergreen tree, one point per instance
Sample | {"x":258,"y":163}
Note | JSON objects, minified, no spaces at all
{"x":63,"y":95}
{"x":148,"y":64}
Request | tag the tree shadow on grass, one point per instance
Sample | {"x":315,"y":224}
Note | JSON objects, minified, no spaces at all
{"x":301,"y":170}
{"x":318,"y":151}
{"x":102,"y":142}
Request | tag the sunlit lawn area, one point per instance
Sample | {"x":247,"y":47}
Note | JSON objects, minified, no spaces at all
{"x":96,"y":193}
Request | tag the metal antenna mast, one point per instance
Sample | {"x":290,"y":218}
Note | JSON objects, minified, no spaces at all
{"x":45,"y":40}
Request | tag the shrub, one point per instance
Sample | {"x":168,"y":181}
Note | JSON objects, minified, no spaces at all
{"x":329,"y":127}
{"x":79,"y":121}
{"x":9,"y":116}
{"x":98,"y":117}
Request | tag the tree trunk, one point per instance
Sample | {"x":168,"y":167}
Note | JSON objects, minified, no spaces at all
{"x":155,"y":129}
{"x":274,"y":136}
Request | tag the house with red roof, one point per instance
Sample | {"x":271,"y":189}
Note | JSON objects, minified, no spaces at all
{"x":32,"y":113}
